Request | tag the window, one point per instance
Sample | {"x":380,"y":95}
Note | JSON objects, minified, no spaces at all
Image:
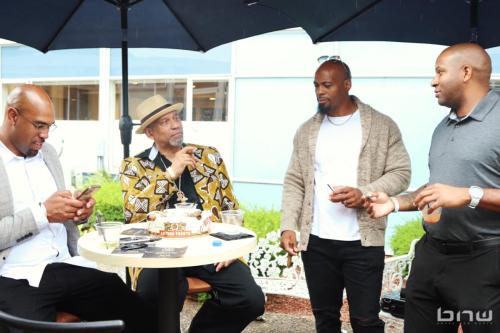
{"x":172,"y":90}
{"x":71,"y":101}
{"x":495,"y":85}
{"x":210,"y":100}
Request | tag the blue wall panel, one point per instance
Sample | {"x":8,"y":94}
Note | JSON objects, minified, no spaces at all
{"x":173,"y":62}
{"x":23,"y":61}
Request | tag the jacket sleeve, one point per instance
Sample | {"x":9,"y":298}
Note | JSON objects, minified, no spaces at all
{"x":16,"y":228}
{"x":142,"y":192}
{"x":397,"y":171}
{"x":293,"y":191}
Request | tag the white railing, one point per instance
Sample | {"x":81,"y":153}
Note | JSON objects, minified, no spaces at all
{"x":294,"y":284}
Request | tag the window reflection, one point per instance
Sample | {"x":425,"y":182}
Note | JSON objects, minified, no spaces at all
{"x":71,"y":101}
{"x":174,"y":91}
{"x":210,"y":100}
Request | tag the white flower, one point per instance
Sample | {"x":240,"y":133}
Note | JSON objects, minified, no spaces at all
{"x":282,"y":260}
{"x":273,"y":272}
{"x":255,"y":271}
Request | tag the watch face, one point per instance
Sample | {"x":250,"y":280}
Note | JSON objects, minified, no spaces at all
{"x":476,"y":192}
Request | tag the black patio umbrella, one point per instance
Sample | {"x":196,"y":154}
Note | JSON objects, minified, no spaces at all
{"x":178,"y":24}
{"x":443,"y":22}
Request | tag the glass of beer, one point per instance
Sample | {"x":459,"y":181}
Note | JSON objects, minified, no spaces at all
{"x":433,"y":217}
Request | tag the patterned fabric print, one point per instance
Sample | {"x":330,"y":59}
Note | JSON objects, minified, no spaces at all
{"x":210,"y":179}
{"x":142,"y":183}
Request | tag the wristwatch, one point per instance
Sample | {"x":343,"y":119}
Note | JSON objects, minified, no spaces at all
{"x":476,"y":193}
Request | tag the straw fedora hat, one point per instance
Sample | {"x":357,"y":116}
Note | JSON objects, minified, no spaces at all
{"x":153,"y":109}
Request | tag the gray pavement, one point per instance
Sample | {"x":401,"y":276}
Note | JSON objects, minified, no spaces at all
{"x":283,"y":323}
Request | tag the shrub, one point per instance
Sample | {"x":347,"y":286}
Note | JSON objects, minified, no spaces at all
{"x":108,"y":199}
{"x":262,"y":221}
{"x":404,"y":234}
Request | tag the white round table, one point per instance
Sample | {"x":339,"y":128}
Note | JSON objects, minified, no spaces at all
{"x":200,"y":251}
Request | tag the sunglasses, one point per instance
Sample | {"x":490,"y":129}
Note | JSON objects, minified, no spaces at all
{"x":336,"y":59}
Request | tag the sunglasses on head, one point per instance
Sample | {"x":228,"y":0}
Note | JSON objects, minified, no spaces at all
{"x":336,"y":59}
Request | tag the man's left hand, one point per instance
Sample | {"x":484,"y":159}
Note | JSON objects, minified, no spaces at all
{"x":440,"y":195}
{"x":223,"y":264}
{"x":350,"y":197}
{"x":84,"y":213}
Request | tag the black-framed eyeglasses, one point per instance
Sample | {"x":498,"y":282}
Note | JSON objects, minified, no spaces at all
{"x":39,"y":126}
{"x":336,"y":59}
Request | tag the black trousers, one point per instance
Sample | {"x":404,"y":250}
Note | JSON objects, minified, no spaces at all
{"x":331,"y":266}
{"x":445,"y":289}
{"x":237,"y":298}
{"x":88,"y":293}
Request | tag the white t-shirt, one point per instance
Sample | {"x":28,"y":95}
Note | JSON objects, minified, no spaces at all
{"x":336,"y":163}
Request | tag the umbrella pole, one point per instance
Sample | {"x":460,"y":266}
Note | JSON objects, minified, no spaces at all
{"x":125,"y":124}
{"x":474,"y":18}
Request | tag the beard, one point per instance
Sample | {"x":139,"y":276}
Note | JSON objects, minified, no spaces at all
{"x":323,"y":109}
{"x":177,"y":142}
{"x":31,"y":153}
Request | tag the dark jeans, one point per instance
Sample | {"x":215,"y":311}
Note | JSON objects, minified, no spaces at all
{"x":88,"y":293}
{"x":331,"y":266}
{"x":237,"y":300}
{"x":445,"y":287}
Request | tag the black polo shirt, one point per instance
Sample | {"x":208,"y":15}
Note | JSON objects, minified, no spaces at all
{"x":466,"y":152}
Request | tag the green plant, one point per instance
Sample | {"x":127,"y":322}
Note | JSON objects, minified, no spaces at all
{"x":262,"y":221}
{"x":404,"y":234}
{"x":108,"y":199}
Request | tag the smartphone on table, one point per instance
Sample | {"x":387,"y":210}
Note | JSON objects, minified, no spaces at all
{"x":88,"y":192}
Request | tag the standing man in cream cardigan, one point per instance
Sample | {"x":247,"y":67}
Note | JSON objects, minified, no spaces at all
{"x":346,"y":150}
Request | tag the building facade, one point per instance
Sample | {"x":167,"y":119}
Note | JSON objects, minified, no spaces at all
{"x":246,"y":98}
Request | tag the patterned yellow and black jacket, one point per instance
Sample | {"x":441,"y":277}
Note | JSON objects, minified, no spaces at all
{"x":145,"y":187}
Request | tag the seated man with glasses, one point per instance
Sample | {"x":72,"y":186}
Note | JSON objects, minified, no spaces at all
{"x":40,"y":270}
{"x":170,"y":172}
{"x":344,"y":151}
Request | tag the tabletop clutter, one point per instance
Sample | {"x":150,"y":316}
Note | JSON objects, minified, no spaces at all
{"x":183,"y":221}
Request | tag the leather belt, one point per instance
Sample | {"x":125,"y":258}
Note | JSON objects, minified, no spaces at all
{"x":446,"y":247}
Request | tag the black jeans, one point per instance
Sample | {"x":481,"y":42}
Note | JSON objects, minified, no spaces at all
{"x":445,"y":289}
{"x":88,"y":293}
{"x":237,"y":300}
{"x":331,"y":266}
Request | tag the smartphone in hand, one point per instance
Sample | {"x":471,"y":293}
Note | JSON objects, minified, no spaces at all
{"x":87,"y":193}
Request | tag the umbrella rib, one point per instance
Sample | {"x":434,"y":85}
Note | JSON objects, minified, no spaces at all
{"x":350,"y":18}
{"x":200,"y":47}
{"x":61,"y":27}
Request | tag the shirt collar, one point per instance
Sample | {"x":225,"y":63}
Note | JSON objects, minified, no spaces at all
{"x":480,"y":110}
{"x":7,"y":155}
{"x":153,"y":152}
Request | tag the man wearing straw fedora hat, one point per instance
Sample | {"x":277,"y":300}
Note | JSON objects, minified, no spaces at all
{"x":170,"y":172}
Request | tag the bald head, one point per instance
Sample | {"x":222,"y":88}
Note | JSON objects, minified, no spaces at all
{"x":472,"y":55}
{"x":336,"y":65}
{"x":27,"y":96}
{"x":29,"y":114}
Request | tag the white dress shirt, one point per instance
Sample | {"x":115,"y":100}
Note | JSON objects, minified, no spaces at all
{"x":31,"y":184}
{"x":336,"y":164}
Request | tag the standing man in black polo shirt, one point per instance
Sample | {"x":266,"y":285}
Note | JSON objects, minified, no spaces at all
{"x":455,"y":276}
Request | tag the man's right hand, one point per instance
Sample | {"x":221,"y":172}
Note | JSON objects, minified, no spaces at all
{"x":379,"y":205}
{"x":289,"y":242}
{"x":62,"y":207}
{"x":182,"y":159}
